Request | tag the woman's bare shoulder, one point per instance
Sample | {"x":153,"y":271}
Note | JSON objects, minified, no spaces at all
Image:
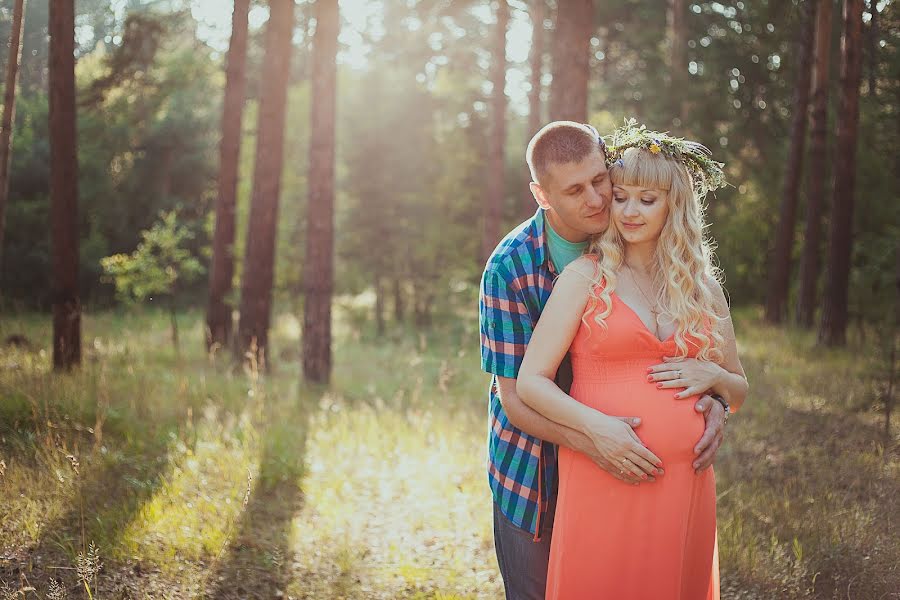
{"x":584,"y":267}
{"x":720,"y":298}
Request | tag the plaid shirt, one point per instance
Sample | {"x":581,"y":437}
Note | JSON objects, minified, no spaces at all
{"x":517,"y":281}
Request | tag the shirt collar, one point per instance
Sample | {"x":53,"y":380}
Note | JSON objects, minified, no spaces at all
{"x":539,"y":235}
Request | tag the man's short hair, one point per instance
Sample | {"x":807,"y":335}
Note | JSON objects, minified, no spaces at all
{"x":560,"y":142}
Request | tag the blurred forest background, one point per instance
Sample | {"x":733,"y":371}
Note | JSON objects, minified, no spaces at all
{"x":205,"y":182}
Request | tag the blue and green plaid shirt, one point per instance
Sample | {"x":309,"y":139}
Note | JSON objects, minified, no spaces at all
{"x":517,"y":281}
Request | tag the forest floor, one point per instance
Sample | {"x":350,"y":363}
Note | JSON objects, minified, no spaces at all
{"x":192,"y":479}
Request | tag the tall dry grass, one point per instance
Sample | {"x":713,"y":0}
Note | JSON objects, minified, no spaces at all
{"x":192,"y":479}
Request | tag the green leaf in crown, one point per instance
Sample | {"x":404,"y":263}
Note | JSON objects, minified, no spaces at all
{"x":706,"y":173}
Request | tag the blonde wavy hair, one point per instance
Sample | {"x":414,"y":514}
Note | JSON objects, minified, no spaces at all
{"x":684,"y":271}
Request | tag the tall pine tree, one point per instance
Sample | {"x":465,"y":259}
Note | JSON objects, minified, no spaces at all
{"x":818,"y":170}
{"x":571,"y":61}
{"x":9,"y":108}
{"x":259,"y":258}
{"x":496,"y":183}
{"x":218,"y":316}
{"x":833,"y":326}
{"x":64,"y":187}
{"x":780,"y":264}
{"x":318,"y":277}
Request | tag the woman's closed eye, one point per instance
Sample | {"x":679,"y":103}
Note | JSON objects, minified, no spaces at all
{"x":644,"y":201}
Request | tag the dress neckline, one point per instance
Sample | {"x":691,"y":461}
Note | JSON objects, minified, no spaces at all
{"x":641,"y":321}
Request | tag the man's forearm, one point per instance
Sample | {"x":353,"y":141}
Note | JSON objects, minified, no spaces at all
{"x":535,"y":424}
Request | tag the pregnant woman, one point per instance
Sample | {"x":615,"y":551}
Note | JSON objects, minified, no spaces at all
{"x":646,"y":323}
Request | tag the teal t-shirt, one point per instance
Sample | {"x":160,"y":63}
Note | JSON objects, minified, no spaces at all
{"x":562,"y":251}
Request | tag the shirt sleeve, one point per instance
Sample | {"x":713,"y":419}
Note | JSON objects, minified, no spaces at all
{"x":506,"y":324}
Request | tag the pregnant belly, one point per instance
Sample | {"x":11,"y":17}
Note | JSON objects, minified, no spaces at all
{"x":670,"y":428}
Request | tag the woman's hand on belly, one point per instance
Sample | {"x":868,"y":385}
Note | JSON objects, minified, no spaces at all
{"x":692,"y":375}
{"x":618,"y":444}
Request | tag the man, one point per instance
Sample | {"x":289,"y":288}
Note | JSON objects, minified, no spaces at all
{"x":573,"y":191}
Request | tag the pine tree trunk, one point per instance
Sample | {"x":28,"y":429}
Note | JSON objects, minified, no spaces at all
{"x":873,"y":48}
{"x":173,"y":322}
{"x":780,"y":265}
{"x":833,"y":326}
{"x":678,"y":67}
{"x":218,"y":315}
{"x":536,"y":59}
{"x":422,"y":302}
{"x":571,"y":61}
{"x":64,"y":187}
{"x":9,"y":109}
{"x":496,"y":184}
{"x":892,"y":365}
{"x":259,"y":259}
{"x":818,"y":170}
{"x":319,"y":274}
{"x":399,"y":301}
{"x":380,"y":294}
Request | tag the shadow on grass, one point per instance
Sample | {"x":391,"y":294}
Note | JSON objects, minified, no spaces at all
{"x":127,"y":466}
{"x":258,"y":560}
{"x":105,"y":499}
{"x":812,"y":490}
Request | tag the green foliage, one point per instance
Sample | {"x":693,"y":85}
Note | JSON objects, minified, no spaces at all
{"x":159,"y":265}
{"x":412,"y":127}
{"x":146,"y":144}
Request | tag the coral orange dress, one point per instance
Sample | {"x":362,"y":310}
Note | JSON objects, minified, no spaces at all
{"x":613,"y":540}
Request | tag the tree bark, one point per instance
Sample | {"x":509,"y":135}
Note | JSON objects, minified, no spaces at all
{"x":399,"y":301}
{"x":780,"y":265}
{"x":173,"y":322}
{"x":9,"y":109}
{"x":259,"y":258}
{"x":675,"y":18}
{"x":892,"y":365}
{"x":818,"y":157}
{"x":496,"y":184}
{"x":64,"y":186}
{"x":380,"y":293}
{"x":536,"y":59}
{"x":873,"y":48}
{"x":833,"y":326}
{"x":218,"y":314}
{"x":319,"y":276}
{"x":571,"y":61}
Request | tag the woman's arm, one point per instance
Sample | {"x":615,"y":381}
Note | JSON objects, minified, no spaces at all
{"x":552,"y":336}
{"x":732,"y":381}
{"x":698,"y":376}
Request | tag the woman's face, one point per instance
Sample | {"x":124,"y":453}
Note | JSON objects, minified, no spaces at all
{"x":639,"y":213}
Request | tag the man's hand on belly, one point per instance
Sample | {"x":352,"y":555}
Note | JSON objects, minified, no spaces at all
{"x":714,"y":415}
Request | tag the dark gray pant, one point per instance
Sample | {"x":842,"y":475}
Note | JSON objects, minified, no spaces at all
{"x":523,"y":562}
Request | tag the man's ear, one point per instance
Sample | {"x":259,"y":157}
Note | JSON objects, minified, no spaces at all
{"x":539,"y":195}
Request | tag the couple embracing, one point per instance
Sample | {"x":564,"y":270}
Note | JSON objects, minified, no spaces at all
{"x":614,"y":363}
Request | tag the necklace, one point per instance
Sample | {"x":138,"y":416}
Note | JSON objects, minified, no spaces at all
{"x":652,"y":305}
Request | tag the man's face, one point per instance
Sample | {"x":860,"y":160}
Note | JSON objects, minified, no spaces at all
{"x":577,"y":197}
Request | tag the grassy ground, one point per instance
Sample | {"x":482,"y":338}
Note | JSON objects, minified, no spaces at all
{"x":194,"y":481}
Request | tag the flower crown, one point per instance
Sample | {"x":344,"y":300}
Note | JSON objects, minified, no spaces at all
{"x":706,"y":173}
